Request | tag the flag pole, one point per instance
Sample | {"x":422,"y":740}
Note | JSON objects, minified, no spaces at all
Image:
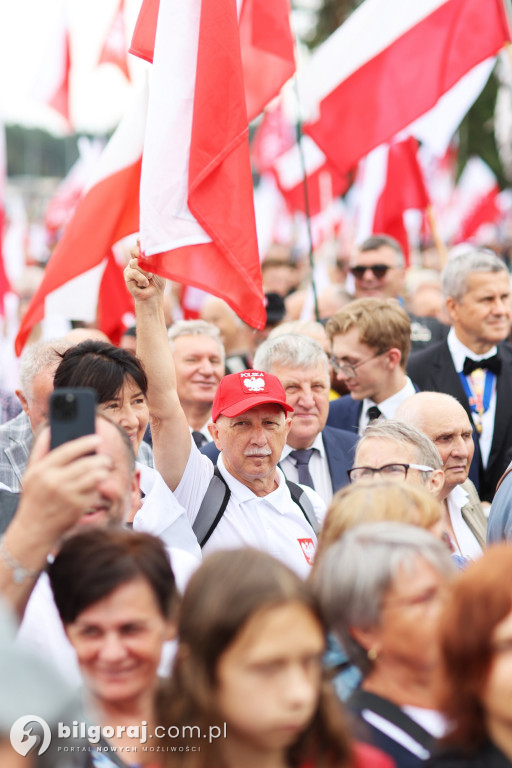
{"x":438,"y":242}
{"x":306,"y":205}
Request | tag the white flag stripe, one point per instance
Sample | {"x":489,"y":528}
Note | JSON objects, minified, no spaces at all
{"x":78,"y":298}
{"x":166,"y":221}
{"x":125,"y":146}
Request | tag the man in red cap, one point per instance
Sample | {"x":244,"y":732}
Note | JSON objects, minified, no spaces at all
{"x":248,"y":502}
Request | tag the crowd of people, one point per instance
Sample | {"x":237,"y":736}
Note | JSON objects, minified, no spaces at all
{"x":283,"y":549}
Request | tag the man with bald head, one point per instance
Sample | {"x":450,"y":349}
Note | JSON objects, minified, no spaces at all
{"x":444,"y":420}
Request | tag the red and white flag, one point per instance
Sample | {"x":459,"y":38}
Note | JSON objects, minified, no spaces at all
{"x":392,"y":183}
{"x":476,"y":199}
{"x":268,"y":59}
{"x":107,"y":212}
{"x":197,"y":222}
{"x":388,"y":64}
{"x":115,"y":47}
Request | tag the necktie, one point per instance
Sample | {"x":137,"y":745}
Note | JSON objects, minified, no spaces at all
{"x":198,"y":438}
{"x":373,"y":413}
{"x":492,"y":364}
{"x":302,"y":458}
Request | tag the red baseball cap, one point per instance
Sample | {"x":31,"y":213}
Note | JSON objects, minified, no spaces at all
{"x":238,"y":392}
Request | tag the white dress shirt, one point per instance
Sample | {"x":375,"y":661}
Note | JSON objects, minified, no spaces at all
{"x":318,"y":468}
{"x":459,"y":352}
{"x":466,"y":539}
{"x":388,"y":407}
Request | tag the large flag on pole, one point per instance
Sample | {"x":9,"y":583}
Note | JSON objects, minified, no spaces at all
{"x":390,"y":63}
{"x":268,"y":59}
{"x":107,"y":212}
{"x":197,"y":222}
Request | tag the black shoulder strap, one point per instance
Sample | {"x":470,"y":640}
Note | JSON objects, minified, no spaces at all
{"x":302,"y":500}
{"x":212,"y":508}
{"x":365,"y":700}
{"x":216,"y":500}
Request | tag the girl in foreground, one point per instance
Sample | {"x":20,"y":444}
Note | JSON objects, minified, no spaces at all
{"x":249,"y":669}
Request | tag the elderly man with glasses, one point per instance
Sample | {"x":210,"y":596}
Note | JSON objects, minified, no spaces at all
{"x":370,"y":344}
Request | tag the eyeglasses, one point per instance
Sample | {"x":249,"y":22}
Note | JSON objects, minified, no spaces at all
{"x":377,"y":270}
{"x":393,"y":471}
{"x":349,"y":370}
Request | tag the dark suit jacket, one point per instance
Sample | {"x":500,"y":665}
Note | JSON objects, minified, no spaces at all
{"x":345,"y":412}
{"x":432,"y":370}
{"x":339,"y":448}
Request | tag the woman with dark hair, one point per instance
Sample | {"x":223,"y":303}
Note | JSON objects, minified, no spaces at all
{"x":121,"y":385}
{"x":476,"y":664}
{"x":381,"y":588}
{"x":249,"y":670}
{"x":116,"y":596}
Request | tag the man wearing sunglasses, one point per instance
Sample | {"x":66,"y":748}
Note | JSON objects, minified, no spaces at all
{"x":378,"y":270}
{"x":370,"y":344}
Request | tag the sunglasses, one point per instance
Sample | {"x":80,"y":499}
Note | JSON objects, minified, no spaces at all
{"x":377,"y":270}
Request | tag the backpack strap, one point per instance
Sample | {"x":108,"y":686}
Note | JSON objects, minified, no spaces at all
{"x":361,"y":700}
{"x":216,"y":499}
{"x":303,"y":501}
{"x":212,"y":508}
{"x":507,"y":472}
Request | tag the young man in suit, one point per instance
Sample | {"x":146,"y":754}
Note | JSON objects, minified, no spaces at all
{"x":370,"y":343}
{"x":474,"y":364}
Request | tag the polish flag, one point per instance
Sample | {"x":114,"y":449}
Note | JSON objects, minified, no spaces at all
{"x":476,"y":199}
{"x":392,"y":183}
{"x":107,"y":213}
{"x":388,"y":64}
{"x":115,"y":47}
{"x":59,"y":99}
{"x":197,"y":223}
{"x":307,"y":168}
{"x":266,"y":39}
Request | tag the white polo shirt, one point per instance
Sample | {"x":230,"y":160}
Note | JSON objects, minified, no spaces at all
{"x":271,"y":523}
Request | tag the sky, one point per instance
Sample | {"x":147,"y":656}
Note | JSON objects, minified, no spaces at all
{"x":99,"y":94}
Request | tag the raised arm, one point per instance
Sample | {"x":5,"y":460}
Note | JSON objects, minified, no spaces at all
{"x":169,"y":428}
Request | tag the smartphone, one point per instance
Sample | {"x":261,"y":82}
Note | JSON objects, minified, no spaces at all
{"x":72,"y":414}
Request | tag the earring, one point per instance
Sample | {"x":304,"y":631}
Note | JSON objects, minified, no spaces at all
{"x":372,"y":654}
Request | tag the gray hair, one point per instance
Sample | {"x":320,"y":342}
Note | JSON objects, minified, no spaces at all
{"x":195,"y":328}
{"x":400,"y":432}
{"x":455,"y":274}
{"x":304,"y":327}
{"x":290,"y":350}
{"x":356,"y":573}
{"x":38,"y":357}
{"x":374,"y":242}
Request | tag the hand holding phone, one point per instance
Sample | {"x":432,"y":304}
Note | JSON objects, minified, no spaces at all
{"x":72,"y":414}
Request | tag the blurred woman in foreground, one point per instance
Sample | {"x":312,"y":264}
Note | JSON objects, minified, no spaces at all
{"x":381,"y":589}
{"x":476,"y":664}
{"x":249,"y":670}
{"x":115,"y":593}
